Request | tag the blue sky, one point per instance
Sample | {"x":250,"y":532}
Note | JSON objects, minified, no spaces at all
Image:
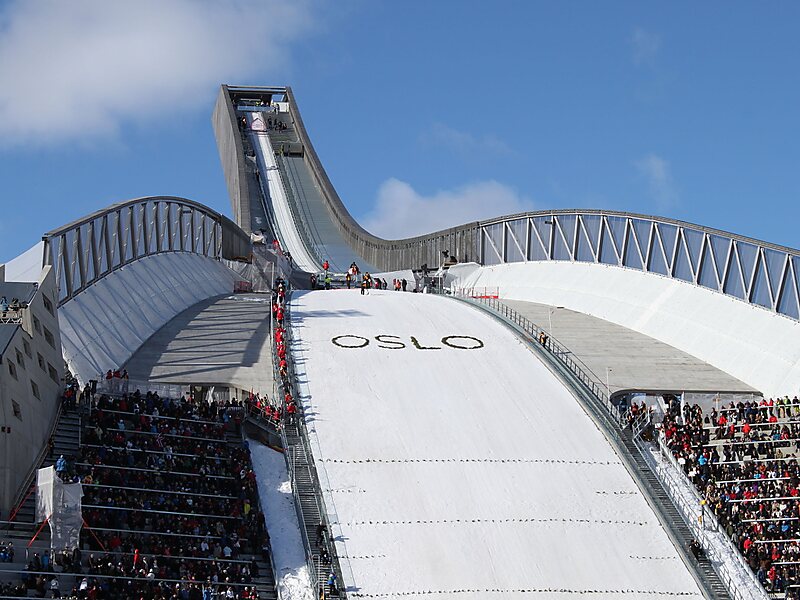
{"x":425,"y":114}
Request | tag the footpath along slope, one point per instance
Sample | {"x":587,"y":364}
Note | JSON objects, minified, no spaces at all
{"x":466,"y":473}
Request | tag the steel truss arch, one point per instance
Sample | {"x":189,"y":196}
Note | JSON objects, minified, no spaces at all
{"x":756,"y":272}
{"x":89,"y":249}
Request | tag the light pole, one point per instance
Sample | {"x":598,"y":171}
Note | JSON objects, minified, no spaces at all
{"x":550,"y":317}
{"x":608,"y":387}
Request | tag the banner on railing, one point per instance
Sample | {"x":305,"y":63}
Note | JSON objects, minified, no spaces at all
{"x":59,"y":504}
{"x":242,"y":287}
{"x":489,"y":293}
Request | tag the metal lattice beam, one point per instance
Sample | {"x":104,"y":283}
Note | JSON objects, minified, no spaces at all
{"x":755,"y":272}
{"x":88,"y":250}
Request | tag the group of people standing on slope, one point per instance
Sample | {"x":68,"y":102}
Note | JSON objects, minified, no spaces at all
{"x":368,"y":282}
{"x":286,"y":409}
{"x":352,"y":277}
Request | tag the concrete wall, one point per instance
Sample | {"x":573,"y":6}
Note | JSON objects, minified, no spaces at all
{"x":387,"y":255}
{"x":35,"y":360}
{"x":104,"y":325}
{"x":231,"y":154}
{"x":755,"y":345}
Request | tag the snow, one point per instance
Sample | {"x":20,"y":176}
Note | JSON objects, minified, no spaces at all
{"x":465,"y":473}
{"x":293,"y":241}
{"x":275,"y":491}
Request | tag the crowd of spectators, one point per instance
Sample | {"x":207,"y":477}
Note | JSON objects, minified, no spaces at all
{"x":283,"y":409}
{"x":170,"y":504}
{"x":743,"y":459}
{"x":6,"y":552}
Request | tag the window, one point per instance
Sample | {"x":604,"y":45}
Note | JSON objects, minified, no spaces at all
{"x":20,"y":360}
{"x":17,"y":409}
{"x":40,"y":358}
{"x":12,"y":369}
{"x":35,"y":390}
{"x":52,"y":372}
{"x":27,"y":347}
{"x":49,"y":337}
{"x":36,"y":325}
{"x":47,"y":304}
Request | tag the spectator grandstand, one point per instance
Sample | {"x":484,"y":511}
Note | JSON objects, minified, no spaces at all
{"x":743,"y":460}
{"x":170,"y":507}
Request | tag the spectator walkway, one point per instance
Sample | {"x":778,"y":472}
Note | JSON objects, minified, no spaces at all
{"x":222,"y":341}
{"x":636,"y":361}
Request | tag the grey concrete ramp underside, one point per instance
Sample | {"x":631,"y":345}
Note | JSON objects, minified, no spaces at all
{"x":636,"y":361}
{"x":220,"y":341}
{"x":325,"y":236}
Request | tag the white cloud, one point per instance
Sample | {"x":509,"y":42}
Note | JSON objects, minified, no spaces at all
{"x":657,"y":173}
{"x":402,"y":212}
{"x":645,"y":46}
{"x":72,"y":70}
{"x":463,"y":142}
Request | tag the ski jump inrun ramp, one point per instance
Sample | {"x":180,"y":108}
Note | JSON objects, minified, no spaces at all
{"x":458,"y":466}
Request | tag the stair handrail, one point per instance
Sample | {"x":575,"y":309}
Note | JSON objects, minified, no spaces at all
{"x":329,"y":507}
{"x":311,"y":557}
{"x":708,"y":517}
{"x":26,"y":488}
{"x":312,"y":572}
{"x":640,"y":423}
{"x":294,"y":209}
{"x":563,"y":354}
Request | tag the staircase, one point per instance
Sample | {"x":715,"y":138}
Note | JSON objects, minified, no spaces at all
{"x":66,"y":441}
{"x":305,"y":485}
{"x":667,"y":509}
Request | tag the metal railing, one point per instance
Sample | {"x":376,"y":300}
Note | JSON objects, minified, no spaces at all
{"x":12,"y":316}
{"x":311,"y":559}
{"x":117,"y":386}
{"x":28,"y":486}
{"x":725,"y":558}
{"x":325,"y":510}
{"x":87,"y":250}
{"x":704,"y":521}
{"x":294,"y":208}
{"x":541,"y":336}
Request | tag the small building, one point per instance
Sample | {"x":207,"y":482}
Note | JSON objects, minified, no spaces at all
{"x":31,"y":372}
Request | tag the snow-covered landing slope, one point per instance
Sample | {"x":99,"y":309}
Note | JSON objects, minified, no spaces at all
{"x":466,"y":473}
